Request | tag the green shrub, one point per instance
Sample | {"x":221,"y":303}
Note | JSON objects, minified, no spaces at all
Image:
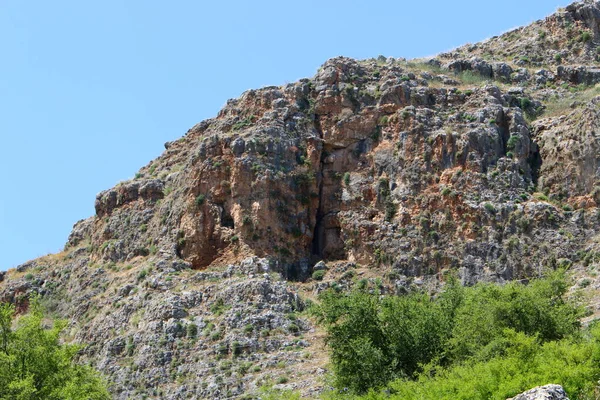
{"x":200,"y":199}
{"x":142,"y":275}
{"x":192,"y":331}
{"x":236,"y":348}
{"x":269,"y":393}
{"x":527,"y":363}
{"x":347,"y":178}
{"x":248,"y":121}
{"x":374,"y":339}
{"x":539,"y":309}
{"x":490,"y":207}
{"x":512,"y":141}
{"x":318,"y":275}
{"x":218,"y":307}
{"x":366,"y":350}
{"x":34,"y":364}
{"x":390,"y":210}
{"x":586,"y":36}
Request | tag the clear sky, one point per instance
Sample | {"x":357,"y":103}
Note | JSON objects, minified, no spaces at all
{"x":90,"y":90}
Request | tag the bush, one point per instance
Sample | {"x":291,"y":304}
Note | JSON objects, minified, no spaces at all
{"x":200,"y":199}
{"x":374,"y":339}
{"x":142,"y":275}
{"x":35,"y":365}
{"x":512,"y":141}
{"x":586,"y":36}
{"x":192,"y":331}
{"x":490,"y":207}
{"x":270,"y":393}
{"x":318,"y":275}
{"x":236,"y":348}
{"x":525,"y":103}
{"x":538,"y":309}
{"x":347,"y":178}
{"x":573,"y":363}
{"x":293,"y":328}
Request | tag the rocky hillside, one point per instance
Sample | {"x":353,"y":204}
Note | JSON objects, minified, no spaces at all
{"x":191,"y":279}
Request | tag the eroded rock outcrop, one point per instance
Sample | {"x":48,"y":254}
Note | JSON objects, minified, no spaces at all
{"x":482,"y":162}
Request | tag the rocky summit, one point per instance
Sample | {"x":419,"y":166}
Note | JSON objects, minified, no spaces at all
{"x":191,"y":279}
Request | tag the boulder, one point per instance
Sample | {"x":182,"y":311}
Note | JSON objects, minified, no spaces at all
{"x":548,"y":392}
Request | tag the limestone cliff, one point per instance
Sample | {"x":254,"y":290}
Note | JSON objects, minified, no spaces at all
{"x":190,"y":280}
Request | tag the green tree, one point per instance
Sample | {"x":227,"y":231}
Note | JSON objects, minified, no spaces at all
{"x":35,"y":365}
{"x":374,"y":339}
{"x":358,"y":345}
{"x":538,"y":309}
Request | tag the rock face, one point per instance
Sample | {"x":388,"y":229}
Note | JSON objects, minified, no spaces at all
{"x":548,"y":392}
{"x":190,"y":280}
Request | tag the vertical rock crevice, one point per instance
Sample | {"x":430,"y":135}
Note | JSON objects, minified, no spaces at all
{"x":318,"y":241}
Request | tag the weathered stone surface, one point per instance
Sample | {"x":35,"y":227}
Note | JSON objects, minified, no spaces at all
{"x":579,"y":75}
{"x":548,"y":392}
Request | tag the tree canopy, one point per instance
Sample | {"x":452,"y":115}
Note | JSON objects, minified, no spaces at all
{"x":34,"y":364}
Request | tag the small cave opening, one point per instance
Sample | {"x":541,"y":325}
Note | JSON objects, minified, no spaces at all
{"x":504,"y":130}
{"x":535,"y":163}
{"x":227,"y":220}
{"x":318,"y":241}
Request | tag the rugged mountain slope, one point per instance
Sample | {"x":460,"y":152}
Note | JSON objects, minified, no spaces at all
{"x":189,"y":280}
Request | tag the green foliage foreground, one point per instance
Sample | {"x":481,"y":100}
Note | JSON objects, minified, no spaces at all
{"x":35,"y":365}
{"x":482,"y":342}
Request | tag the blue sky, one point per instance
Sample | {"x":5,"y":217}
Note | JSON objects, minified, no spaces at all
{"x":90,"y":91}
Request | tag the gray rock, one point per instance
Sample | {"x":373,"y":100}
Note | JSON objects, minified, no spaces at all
{"x":548,"y":392}
{"x":502,"y":71}
{"x":543,"y":76}
{"x":320,"y":266}
{"x":238,"y":146}
{"x":579,"y":75}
